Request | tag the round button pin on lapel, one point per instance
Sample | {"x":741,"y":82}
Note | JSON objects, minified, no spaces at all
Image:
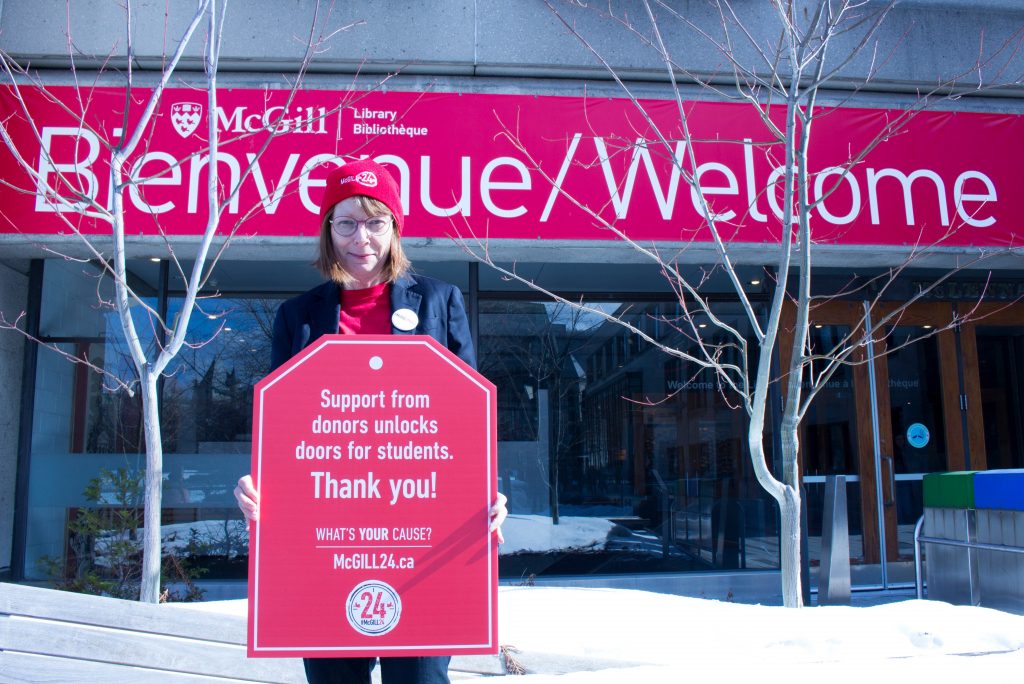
{"x":405,"y":319}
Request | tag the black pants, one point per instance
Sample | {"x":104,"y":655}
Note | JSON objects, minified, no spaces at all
{"x":429,"y":670}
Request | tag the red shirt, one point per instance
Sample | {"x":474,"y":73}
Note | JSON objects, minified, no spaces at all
{"x":366,"y":312}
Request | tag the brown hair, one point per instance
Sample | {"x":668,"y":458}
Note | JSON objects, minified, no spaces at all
{"x":327,"y":262}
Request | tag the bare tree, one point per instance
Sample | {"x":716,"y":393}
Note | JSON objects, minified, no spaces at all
{"x":780,"y":70}
{"x":73,"y":199}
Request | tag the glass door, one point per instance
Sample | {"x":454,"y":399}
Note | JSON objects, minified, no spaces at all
{"x":837,"y":436}
{"x":883,"y":424}
{"x":831,"y":440}
{"x":993,"y":356}
{"x":920,"y":385}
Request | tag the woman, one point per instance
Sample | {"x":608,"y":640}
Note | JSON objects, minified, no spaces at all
{"x":369,"y":291}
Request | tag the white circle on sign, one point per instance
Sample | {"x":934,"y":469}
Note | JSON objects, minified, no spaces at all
{"x":918,"y":435}
{"x":405,"y":319}
{"x":373,"y":608}
{"x":376,"y":363}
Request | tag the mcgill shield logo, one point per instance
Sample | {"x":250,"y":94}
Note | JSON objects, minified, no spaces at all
{"x":185,"y":116}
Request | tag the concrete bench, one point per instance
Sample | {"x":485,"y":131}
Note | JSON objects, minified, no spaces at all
{"x":57,"y":636}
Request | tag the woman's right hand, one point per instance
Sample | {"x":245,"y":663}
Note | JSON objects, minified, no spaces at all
{"x":248,"y":498}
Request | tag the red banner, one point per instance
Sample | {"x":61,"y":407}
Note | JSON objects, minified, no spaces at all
{"x":511,"y":166}
{"x":375,"y":458}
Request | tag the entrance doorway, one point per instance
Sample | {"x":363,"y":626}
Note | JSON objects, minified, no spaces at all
{"x":922,"y":397}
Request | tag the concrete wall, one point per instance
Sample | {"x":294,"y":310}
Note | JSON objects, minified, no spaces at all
{"x":920,"y":43}
{"x":13,"y":300}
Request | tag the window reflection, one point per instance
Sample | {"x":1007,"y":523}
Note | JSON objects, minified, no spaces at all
{"x":828,"y":441}
{"x":1001,"y":371}
{"x":207,"y":428}
{"x":84,"y":424}
{"x":829,"y":437}
{"x":616,"y":456}
{"x":914,"y":383}
{"x":918,"y":425}
{"x":207,"y":394}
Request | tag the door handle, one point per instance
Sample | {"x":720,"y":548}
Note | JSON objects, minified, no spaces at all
{"x":889,"y":497}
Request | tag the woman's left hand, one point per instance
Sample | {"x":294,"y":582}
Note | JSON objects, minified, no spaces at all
{"x":498,"y":513}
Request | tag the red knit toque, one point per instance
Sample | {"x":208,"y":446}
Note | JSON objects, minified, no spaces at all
{"x":363,"y":177}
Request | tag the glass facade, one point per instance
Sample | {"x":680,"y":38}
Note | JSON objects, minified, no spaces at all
{"x":618,"y":457}
{"x":86,"y":422}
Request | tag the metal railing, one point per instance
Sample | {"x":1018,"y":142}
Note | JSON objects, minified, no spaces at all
{"x":968,"y":544}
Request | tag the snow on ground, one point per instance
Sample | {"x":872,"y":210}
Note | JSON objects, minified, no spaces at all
{"x":536,"y":533}
{"x":606,"y":636}
{"x":637,"y":636}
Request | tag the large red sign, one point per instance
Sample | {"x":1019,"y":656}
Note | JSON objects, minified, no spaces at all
{"x":515,"y":166}
{"x":375,"y":458}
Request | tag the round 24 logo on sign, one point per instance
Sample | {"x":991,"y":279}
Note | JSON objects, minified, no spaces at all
{"x":373,"y":608}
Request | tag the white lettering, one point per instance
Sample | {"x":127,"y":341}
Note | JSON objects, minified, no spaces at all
{"x":390,"y":129}
{"x":731,"y":189}
{"x":461,"y":206}
{"x":666,"y":201}
{"x":773,"y":197}
{"x":327,"y":487}
{"x":48,"y":192}
{"x":172,"y":176}
{"x":556,"y":188}
{"x":270,"y":205}
{"x":748,"y":167}
{"x":819,"y":185}
{"x":73,"y":165}
{"x":403,"y":176}
{"x":305,"y":183}
{"x":487,"y":186}
{"x":252,"y":123}
{"x":620,"y":203}
{"x":908,"y":202}
{"x":232,"y":123}
{"x":196,"y":167}
{"x":367,"y":113}
{"x":959,"y":198}
{"x":275,"y":119}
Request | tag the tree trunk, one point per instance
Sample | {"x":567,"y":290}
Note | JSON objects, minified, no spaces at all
{"x":789,"y":540}
{"x":149,"y":591}
{"x":790,"y":504}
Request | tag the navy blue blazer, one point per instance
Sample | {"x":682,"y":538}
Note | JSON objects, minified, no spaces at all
{"x":438,"y":306}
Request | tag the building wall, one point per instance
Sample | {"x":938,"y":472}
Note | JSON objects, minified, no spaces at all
{"x":13,"y":300}
{"x":922,"y":42}
{"x":502,"y":46}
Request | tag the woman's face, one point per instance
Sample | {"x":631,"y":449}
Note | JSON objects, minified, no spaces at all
{"x":362,"y":254}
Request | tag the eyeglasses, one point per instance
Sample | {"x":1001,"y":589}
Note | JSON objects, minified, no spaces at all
{"x":375,"y":225}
